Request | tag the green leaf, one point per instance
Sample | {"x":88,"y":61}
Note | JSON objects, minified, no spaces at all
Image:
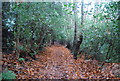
{"x":65,"y":5}
{"x":21,"y":59}
{"x":8,"y":74}
{"x":89,"y":13}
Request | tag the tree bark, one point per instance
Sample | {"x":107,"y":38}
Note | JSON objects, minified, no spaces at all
{"x":77,"y":40}
{"x":75,"y":30}
{"x":17,"y":37}
{"x":82,"y":13}
{"x":77,"y":46}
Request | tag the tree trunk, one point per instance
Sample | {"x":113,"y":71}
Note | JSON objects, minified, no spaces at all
{"x":95,"y":11}
{"x":17,"y":47}
{"x":77,"y":40}
{"x":77,"y":46}
{"x":82,"y":13}
{"x":75,"y":30}
{"x":17,"y":37}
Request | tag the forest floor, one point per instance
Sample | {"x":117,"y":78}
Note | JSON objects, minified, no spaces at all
{"x":57,"y":62}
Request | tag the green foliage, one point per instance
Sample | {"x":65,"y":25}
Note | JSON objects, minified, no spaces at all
{"x":1,"y":77}
{"x":21,"y":59}
{"x":101,"y":35}
{"x":8,"y":74}
{"x":118,"y":76}
{"x":34,"y":28}
{"x":104,"y":48}
{"x":55,"y":20}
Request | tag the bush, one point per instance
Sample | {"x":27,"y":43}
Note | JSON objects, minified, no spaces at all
{"x":8,"y":74}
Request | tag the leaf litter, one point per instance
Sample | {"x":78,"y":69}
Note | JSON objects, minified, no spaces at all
{"x":57,"y":62}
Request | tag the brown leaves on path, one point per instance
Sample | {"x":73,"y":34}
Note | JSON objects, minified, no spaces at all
{"x":56,"y":62}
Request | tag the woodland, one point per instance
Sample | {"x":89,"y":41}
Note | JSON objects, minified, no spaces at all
{"x":61,"y":40}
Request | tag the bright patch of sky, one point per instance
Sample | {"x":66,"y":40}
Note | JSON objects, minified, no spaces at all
{"x":86,"y":1}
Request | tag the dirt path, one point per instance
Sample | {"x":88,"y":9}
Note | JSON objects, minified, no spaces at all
{"x":60,"y":64}
{"x":56,"y":62}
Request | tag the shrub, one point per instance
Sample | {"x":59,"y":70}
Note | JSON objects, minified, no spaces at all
{"x":8,"y":74}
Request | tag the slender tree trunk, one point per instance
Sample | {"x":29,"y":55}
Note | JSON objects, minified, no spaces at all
{"x":75,"y":30}
{"x":17,"y":47}
{"x":77,"y":40}
{"x":82,"y":13}
{"x":17,"y":37}
{"x":95,"y":11}
{"x":42,"y":36}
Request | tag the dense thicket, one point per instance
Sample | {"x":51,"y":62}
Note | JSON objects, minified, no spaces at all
{"x":28,"y":27}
